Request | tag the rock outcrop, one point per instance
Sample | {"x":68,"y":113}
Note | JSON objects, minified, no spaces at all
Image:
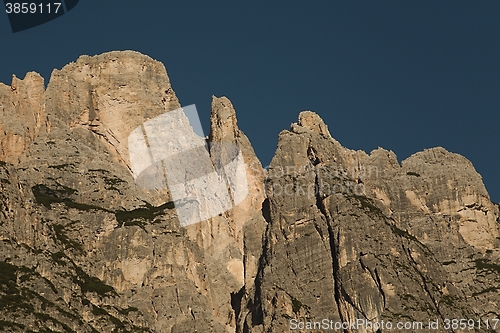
{"x":357,"y":236}
{"x":22,"y":115}
{"x":325,"y":233}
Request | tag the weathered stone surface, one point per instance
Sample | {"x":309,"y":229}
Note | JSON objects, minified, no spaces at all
{"x":325,"y":232}
{"x":109,"y":94}
{"x":352,"y":235}
{"x":21,"y":114}
{"x":110,"y":254}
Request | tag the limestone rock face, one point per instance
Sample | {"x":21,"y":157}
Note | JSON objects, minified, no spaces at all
{"x":85,"y":248}
{"x":325,"y":232}
{"x":21,"y":114}
{"x":356,"y":236}
{"x":109,"y":94}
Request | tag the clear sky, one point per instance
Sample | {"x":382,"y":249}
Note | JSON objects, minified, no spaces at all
{"x":403,"y":75}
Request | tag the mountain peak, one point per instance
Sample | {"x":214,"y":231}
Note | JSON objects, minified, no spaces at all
{"x":326,"y":231}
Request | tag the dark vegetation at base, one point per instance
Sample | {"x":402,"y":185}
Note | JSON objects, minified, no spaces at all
{"x":487,"y":290}
{"x":147,"y":213}
{"x":43,"y":317}
{"x":366,"y":204}
{"x":296,"y":304}
{"x":4,"y":324}
{"x":8,"y":280}
{"x":110,"y":182}
{"x":68,"y":243}
{"x":89,"y":283}
{"x":126,"y":311}
{"x":140,"y":216}
{"x":86,"y":282}
{"x":120,"y":326}
{"x":18,"y":299}
{"x":9,"y":276}
{"x":15,"y":298}
{"x":485,"y":264}
{"x":57,"y":257}
{"x":46,"y":196}
{"x":403,"y":233}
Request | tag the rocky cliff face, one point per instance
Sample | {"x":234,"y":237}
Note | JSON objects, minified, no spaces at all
{"x":325,"y":232}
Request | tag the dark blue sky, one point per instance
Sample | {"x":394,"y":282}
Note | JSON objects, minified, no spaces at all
{"x":403,"y":75}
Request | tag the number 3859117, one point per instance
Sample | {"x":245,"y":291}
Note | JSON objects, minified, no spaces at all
{"x":32,"y":8}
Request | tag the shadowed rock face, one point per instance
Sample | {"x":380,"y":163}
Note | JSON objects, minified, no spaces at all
{"x":325,"y":232}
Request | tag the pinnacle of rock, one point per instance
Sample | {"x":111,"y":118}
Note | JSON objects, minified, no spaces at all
{"x":223,"y":123}
{"x":313,"y":122}
{"x":21,"y":116}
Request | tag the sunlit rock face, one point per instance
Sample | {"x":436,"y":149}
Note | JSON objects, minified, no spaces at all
{"x":93,"y":238}
{"x":356,"y":235}
{"x":21,"y":115}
